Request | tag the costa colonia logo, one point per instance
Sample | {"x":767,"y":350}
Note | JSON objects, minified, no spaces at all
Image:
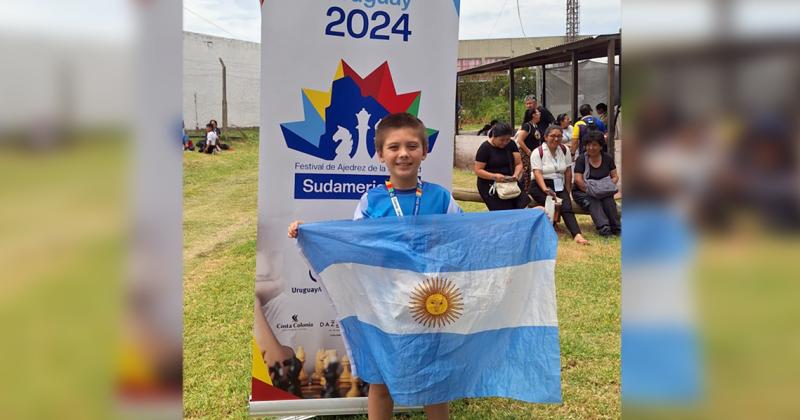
{"x":340,"y":123}
{"x":295,"y":324}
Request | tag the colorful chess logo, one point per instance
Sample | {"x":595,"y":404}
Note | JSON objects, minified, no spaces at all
{"x":340,"y":123}
{"x":436,"y":302}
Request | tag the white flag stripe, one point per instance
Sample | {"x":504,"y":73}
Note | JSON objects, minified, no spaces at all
{"x":505,"y":297}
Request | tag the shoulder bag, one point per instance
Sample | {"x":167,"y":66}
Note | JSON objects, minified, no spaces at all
{"x":597,"y":188}
{"x":506,"y":190}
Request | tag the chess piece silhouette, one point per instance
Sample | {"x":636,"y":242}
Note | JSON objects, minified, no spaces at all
{"x":292,"y":368}
{"x":301,"y":356}
{"x":354,"y":391}
{"x":316,"y":376}
{"x":346,"y":374}
{"x":279,"y":378}
{"x":344,"y":142}
{"x":363,"y":387}
{"x":331,"y":375}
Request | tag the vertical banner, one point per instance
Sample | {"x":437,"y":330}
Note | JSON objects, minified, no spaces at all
{"x":331,"y":70}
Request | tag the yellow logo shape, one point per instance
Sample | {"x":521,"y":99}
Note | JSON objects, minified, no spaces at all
{"x":436,"y":302}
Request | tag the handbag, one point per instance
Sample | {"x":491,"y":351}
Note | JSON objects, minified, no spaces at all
{"x":597,"y":188}
{"x":506,"y":190}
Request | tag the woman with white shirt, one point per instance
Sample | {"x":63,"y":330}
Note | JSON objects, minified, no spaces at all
{"x":552,"y":175}
{"x":564,"y":121}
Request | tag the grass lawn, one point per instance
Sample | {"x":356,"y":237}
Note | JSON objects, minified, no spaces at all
{"x":220,"y":195}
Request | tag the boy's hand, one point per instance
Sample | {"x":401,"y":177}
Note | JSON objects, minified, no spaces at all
{"x":293,"y":228}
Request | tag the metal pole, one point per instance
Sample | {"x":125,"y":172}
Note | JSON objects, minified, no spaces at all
{"x":458,"y":105}
{"x":611,"y":98}
{"x":224,"y":95}
{"x":574,"y":99}
{"x":511,"y":94}
{"x":544,"y":87}
{"x":196,"y":120}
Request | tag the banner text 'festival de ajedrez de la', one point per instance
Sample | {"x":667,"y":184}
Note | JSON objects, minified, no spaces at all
{"x":330,"y":71}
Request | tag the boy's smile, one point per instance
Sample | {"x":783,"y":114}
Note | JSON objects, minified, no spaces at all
{"x":402,"y":153}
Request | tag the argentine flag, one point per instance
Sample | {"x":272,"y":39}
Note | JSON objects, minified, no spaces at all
{"x":442,"y":307}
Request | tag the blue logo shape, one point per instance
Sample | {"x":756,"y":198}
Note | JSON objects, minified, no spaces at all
{"x":349,"y":124}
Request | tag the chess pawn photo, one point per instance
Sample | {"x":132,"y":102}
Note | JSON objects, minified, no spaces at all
{"x":345,"y":378}
{"x":301,"y":356}
{"x":316,"y":376}
{"x":354,"y":390}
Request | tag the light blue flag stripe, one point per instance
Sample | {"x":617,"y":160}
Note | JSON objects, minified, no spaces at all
{"x":421,"y":369}
{"x":416,"y":243}
{"x":661,"y":359}
{"x":660,"y":365}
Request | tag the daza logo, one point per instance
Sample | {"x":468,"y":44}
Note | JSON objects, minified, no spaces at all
{"x":329,"y":324}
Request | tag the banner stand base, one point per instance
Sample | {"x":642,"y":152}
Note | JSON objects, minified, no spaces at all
{"x":299,"y":409}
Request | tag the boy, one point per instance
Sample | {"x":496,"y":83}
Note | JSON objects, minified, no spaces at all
{"x":402,"y":144}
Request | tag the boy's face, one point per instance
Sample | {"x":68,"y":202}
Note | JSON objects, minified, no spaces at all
{"x":402,"y":153}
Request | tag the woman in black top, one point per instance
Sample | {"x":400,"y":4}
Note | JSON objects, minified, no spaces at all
{"x":529,"y":137}
{"x":600,"y":165}
{"x":498,"y":160}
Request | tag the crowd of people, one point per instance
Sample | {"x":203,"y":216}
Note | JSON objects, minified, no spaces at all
{"x":553,"y":163}
{"x":212,"y":142}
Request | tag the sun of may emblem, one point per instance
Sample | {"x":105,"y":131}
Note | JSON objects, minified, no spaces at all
{"x":436,"y":302}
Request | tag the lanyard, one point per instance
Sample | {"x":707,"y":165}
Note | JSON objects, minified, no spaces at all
{"x":554,"y":159}
{"x":396,"y":203}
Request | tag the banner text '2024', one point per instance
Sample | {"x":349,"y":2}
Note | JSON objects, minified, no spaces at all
{"x":358,"y":24}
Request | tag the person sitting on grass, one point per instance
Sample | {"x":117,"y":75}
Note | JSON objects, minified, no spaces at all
{"x":596,"y":165}
{"x":211,"y":139}
{"x":401,"y":144}
{"x":552,"y":176}
{"x":496,"y":161}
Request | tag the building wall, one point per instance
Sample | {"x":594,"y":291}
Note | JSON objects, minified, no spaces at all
{"x":202,"y":72}
{"x":202,"y":76}
{"x":473,"y":53}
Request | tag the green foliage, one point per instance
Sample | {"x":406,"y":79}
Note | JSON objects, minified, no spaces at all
{"x":485,"y":97}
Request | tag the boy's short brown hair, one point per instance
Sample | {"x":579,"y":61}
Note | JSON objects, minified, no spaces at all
{"x":399,"y":121}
